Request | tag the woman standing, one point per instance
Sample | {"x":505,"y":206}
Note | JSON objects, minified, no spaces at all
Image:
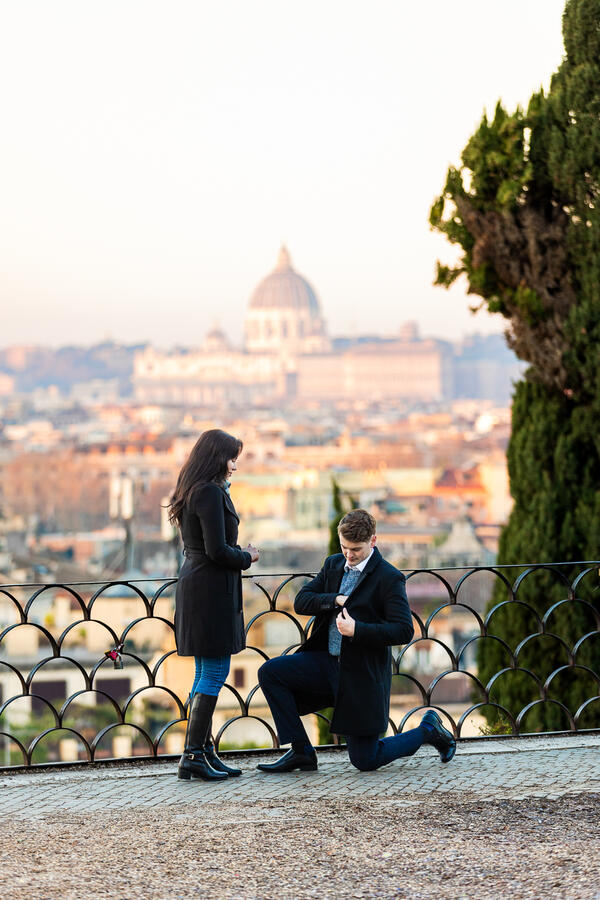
{"x":209,"y":620}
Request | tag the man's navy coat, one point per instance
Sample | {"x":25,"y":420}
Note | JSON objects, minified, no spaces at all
{"x":380,"y":609}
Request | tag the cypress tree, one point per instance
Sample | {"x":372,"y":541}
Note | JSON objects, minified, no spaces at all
{"x":524,"y":208}
{"x":338,"y":514}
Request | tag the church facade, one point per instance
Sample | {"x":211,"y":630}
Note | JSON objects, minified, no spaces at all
{"x":288,"y":355}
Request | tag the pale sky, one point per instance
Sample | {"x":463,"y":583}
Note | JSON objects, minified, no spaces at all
{"x":154,"y":156}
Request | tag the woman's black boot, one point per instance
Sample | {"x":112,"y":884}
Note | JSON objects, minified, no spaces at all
{"x":211,"y":755}
{"x":193,"y":762}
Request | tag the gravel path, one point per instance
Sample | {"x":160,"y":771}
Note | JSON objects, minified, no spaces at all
{"x":505,"y":819}
{"x":279,"y":850}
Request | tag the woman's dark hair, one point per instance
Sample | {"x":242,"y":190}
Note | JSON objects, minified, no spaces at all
{"x":207,"y":462}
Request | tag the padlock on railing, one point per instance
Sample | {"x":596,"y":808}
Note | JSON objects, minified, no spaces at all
{"x":116,"y":654}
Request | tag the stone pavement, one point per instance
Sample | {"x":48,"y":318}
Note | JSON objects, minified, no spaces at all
{"x":482,"y":770}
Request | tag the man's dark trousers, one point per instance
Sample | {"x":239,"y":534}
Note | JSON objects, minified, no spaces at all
{"x":280,"y":678}
{"x":318,"y":672}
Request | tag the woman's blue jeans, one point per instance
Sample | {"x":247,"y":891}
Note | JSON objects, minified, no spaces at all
{"x":211,"y":674}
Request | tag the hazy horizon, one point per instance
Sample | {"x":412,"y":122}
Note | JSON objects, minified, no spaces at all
{"x":155,"y":156}
{"x":189,"y":345}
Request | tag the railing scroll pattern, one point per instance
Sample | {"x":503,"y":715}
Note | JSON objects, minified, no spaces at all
{"x":116,"y":675}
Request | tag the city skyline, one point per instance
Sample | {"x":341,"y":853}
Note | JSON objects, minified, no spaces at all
{"x":156,"y":157}
{"x":408,"y":330}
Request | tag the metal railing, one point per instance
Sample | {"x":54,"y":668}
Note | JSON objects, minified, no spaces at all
{"x":89,"y":671}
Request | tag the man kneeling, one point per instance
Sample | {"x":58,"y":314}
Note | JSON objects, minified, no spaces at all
{"x":360,"y":608}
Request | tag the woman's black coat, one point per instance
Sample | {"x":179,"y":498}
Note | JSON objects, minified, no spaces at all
{"x":209,"y":619}
{"x":380,"y":609}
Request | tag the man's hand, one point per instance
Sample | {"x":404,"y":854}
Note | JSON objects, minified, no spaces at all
{"x":341,"y":599}
{"x":345,"y":623}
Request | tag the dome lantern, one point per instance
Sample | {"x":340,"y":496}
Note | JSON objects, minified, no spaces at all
{"x":284,"y":313}
{"x":283,"y":260}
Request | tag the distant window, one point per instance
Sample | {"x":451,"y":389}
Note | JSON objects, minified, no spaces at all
{"x":49,"y":690}
{"x":239,"y":678}
{"x":117,"y":688}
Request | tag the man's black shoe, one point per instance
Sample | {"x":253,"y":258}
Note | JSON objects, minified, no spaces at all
{"x":292,"y":760}
{"x":438,"y":736}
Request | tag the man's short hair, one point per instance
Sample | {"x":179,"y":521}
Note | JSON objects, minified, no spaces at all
{"x":358,"y":526}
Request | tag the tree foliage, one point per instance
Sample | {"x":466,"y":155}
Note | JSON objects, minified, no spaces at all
{"x":340,"y":508}
{"x":524,"y":209}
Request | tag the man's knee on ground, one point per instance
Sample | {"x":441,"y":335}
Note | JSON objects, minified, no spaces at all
{"x":363,"y":762}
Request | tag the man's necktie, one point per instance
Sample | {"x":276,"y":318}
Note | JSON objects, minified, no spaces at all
{"x":348,"y":584}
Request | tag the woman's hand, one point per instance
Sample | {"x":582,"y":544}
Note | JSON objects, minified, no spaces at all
{"x":341,"y":599}
{"x":345,"y":623}
{"x":253,"y":551}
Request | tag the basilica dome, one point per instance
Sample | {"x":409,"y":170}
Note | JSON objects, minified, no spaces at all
{"x":284,"y":314}
{"x":284,"y":288}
